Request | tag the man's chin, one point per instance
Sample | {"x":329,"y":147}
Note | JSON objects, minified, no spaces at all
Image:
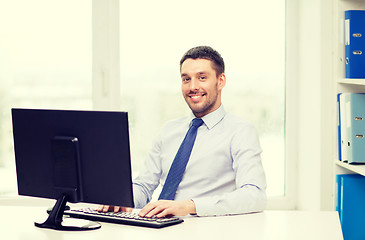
{"x":198,"y":111}
{"x":195,"y":107}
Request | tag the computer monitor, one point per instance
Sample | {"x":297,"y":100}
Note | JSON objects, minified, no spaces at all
{"x":72,"y":156}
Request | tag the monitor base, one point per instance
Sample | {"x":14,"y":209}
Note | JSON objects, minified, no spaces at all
{"x":56,"y":220}
{"x":71,"y":224}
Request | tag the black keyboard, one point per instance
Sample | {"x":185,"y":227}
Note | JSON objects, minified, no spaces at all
{"x":123,"y":218}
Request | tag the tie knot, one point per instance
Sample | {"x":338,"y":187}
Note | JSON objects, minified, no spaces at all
{"x":197,"y":122}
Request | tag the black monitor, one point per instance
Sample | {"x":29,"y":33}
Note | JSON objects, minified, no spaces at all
{"x":72,"y":156}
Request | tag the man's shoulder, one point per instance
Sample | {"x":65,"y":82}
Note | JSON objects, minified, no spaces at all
{"x":236,"y":121}
{"x":176,"y":123}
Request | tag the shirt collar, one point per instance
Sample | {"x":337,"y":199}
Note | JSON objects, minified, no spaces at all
{"x":211,"y":119}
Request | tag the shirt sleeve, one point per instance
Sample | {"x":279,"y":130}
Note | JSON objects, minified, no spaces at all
{"x":148,"y":180}
{"x":250,"y":195}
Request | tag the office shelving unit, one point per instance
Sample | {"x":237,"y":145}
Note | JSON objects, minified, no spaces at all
{"x":344,"y":84}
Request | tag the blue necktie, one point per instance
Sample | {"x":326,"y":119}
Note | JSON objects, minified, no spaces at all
{"x":178,"y":166}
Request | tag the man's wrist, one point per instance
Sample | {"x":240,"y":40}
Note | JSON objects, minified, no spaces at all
{"x":191,"y":207}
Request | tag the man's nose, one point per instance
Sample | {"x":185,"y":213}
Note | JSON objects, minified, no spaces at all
{"x":194,"y":84}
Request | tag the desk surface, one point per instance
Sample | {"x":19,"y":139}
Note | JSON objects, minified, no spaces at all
{"x":18,"y":223}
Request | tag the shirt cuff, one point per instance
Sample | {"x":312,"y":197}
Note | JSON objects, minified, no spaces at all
{"x":204,"y":206}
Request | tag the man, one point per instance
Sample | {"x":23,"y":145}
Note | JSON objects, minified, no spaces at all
{"x":223,"y":174}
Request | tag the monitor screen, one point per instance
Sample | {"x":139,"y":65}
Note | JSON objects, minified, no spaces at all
{"x":77,"y":156}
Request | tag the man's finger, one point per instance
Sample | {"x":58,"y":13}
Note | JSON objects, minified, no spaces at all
{"x":106,"y":208}
{"x":164,"y":213}
{"x":157,"y":209}
{"x":126,"y":209}
{"x":101,"y":208}
{"x":147,"y":209}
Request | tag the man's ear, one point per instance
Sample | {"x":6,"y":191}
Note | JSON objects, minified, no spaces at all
{"x":221,"y":81}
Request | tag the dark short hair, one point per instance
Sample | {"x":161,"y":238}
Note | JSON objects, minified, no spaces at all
{"x":205,"y":52}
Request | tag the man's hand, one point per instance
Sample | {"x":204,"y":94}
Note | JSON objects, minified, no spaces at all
{"x":107,"y":208}
{"x":164,"y":208}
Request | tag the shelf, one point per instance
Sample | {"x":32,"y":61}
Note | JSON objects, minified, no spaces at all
{"x":353,"y":1}
{"x":360,"y":168}
{"x":353,"y":81}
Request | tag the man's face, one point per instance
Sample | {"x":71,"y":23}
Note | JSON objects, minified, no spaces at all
{"x":201,"y":87}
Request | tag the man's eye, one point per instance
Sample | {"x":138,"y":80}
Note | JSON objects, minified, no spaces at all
{"x":185,"y":79}
{"x":203,"y":78}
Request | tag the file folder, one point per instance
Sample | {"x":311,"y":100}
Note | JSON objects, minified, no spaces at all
{"x":339,"y":127}
{"x":338,"y":195}
{"x":355,"y":127}
{"x":342,"y":131}
{"x":351,"y":207}
{"x":339,"y":138}
{"x":355,"y":43}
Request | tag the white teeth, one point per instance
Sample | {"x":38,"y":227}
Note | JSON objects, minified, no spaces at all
{"x":195,"y":97}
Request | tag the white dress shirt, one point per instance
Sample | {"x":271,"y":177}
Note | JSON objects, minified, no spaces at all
{"x":224,"y":174}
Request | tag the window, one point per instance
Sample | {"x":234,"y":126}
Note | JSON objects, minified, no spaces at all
{"x":250,"y":38}
{"x":45,"y":62}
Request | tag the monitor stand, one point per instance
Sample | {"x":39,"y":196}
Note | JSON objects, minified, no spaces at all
{"x":56,"y":221}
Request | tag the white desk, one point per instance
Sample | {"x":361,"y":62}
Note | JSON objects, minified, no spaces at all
{"x":18,"y":223}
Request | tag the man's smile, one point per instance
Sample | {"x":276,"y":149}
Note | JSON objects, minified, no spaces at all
{"x":196,"y":97}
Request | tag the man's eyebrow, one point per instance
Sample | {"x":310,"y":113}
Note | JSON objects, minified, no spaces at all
{"x":198,"y":73}
{"x":202,"y":73}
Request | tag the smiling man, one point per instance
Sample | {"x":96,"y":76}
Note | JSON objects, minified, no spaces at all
{"x":207,"y":163}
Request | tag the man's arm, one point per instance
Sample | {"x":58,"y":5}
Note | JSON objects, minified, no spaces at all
{"x":247,"y":199}
{"x":164,"y":208}
{"x":244,"y":200}
{"x":250,"y":195}
{"x":149,"y":178}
